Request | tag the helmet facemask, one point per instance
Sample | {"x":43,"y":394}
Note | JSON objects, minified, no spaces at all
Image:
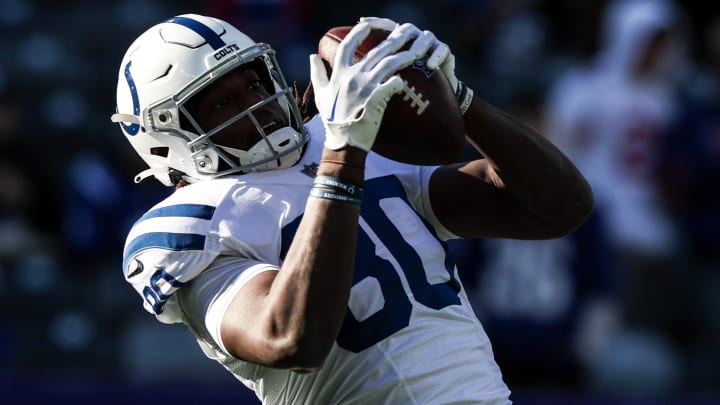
{"x":279,"y":149}
{"x":170,"y":138}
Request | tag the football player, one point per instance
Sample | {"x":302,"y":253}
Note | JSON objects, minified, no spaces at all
{"x":311,"y":268}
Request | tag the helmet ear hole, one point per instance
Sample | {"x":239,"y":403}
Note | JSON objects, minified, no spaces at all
{"x":162,"y":151}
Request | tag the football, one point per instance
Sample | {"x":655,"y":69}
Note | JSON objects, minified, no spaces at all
{"x":422,"y":124}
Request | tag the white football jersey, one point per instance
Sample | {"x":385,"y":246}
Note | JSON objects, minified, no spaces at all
{"x":409,"y":335}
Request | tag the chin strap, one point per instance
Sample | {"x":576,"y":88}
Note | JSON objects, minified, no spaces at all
{"x":164,"y":176}
{"x":151,"y":171}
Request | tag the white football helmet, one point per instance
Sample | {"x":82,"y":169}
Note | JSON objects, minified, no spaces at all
{"x":168,"y":64}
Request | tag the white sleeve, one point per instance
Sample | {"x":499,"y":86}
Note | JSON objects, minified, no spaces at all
{"x":425,"y":207}
{"x":205,"y":300}
{"x":416,"y":182}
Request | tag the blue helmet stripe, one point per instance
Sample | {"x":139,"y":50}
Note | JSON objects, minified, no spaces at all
{"x":201,"y":29}
{"x":133,"y":128}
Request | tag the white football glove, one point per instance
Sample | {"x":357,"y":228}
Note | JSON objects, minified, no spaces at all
{"x":440,"y":56}
{"x":353,"y":99}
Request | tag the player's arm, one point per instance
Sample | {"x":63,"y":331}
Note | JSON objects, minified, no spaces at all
{"x":291,"y":318}
{"x":524,"y":187}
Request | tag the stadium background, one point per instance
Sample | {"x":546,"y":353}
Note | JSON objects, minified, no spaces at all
{"x":71,"y":329}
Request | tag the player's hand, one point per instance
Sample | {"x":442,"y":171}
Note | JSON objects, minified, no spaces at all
{"x":353,"y":99}
{"x":440,"y":55}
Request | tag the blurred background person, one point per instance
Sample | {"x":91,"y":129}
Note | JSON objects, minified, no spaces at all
{"x":613,"y":116}
{"x":551,"y":305}
{"x":691,"y":173}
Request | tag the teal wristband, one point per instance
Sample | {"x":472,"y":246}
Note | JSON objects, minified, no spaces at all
{"x":339,"y":185}
{"x":328,"y":194}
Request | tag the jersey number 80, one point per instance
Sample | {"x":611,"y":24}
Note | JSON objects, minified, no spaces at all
{"x":385,"y":255}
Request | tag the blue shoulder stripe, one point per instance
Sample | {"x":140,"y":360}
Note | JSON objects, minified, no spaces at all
{"x":181,"y":210}
{"x":164,"y":240}
{"x":201,"y":29}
